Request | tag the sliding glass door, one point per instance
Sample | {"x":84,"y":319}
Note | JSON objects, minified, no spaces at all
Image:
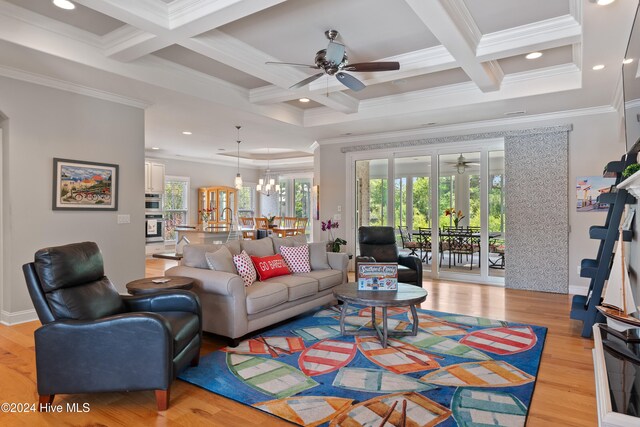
{"x":451,"y":203}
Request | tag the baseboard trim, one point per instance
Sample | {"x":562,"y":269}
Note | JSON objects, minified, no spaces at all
{"x":577,"y":290}
{"x":23,"y":316}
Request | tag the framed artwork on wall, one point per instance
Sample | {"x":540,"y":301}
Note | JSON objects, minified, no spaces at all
{"x":588,"y":188}
{"x":80,"y":185}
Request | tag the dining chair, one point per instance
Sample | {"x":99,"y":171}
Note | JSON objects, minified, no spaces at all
{"x":261,"y":223}
{"x":248,"y":227}
{"x":301,"y":225}
{"x":424,"y":240}
{"x":287,"y":226}
{"x":407,"y":241}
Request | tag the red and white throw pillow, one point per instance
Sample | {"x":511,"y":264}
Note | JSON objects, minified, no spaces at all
{"x":297,"y":257}
{"x":245,"y":268}
{"x":270,"y":266}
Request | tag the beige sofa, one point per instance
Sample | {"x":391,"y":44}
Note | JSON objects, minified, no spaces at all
{"x":232,"y":310}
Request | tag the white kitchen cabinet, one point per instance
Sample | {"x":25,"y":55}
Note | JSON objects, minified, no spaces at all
{"x":153,"y":177}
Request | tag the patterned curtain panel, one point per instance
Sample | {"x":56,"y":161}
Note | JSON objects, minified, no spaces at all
{"x":537,"y":217}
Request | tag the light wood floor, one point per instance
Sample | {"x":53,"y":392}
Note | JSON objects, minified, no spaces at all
{"x":564,"y":393}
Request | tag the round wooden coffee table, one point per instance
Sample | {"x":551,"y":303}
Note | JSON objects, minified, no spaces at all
{"x":406,"y":295}
{"x":148,"y":286}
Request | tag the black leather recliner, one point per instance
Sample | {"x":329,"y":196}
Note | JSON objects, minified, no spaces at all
{"x":94,"y":340}
{"x":378,"y":244}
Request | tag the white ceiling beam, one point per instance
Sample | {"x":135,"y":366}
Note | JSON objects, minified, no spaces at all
{"x":182,"y":19}
{"x":234,"y":53}
{"x":547,"y":34}
{"x":42,"y":34}
{"x":519,"y":85}
{"x":451,"y":22}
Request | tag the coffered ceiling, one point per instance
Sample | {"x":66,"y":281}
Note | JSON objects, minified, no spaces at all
{"x":199,"y":65}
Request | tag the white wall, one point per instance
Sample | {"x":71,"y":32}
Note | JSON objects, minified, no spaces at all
{"x":594,"y":141}
{"x":43,"y":123}
{"x":205,"y":175}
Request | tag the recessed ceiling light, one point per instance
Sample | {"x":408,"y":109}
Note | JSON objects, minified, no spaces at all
{"x":627,"y":61}
{"x":186,"y":132}
{"x":304,"y":99}
{"x":598,"y":67}
{"x":533,"y":55}
{"x":155,"y":148}
{"x":602,"y":2}
{"x":64,"y":4}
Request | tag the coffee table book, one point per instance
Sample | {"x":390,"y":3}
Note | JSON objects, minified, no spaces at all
{"x":377,"y":276}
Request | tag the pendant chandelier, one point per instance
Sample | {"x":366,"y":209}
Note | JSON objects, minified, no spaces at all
{"x":238,"y":180}
{"x":267,"y":185}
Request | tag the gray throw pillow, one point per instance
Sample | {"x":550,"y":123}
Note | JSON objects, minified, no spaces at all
{"x":221,"y":260}
{"x":260,"y":247}
{"x":318,"y":256}
{"x":193,"y":255}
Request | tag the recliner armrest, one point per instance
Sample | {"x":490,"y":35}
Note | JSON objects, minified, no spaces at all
{"x":412,"y":262}
{"x":172,"y":300}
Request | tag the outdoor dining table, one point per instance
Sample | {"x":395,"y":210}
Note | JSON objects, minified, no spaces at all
{"x":425,"y":235}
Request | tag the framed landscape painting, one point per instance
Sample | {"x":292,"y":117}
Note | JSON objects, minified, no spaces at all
{"x":79,"y":185}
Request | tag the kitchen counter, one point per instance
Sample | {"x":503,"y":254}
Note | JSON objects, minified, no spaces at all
{"x":209,"y":235}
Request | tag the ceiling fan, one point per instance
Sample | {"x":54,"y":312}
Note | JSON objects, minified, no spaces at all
{"x":461,"y":164}
{"x":333,"y":62}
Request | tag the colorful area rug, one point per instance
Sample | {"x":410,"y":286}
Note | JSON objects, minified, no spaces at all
{"x":458,"y":370}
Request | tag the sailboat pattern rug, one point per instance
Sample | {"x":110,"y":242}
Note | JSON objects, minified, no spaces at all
{"x":457,"y":371}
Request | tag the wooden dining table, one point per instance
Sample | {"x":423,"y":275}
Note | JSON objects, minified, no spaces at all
{"x":284,"y":231}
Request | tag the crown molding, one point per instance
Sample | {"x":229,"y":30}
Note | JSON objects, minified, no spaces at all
{"x":51,"y":82}
{"x":12,"y":11}
{"x":466,"y":127}
{"x":231,"y":161}
{"x":634,"y":103}
{"x":553,"y":32}
{"x":124,"y":38}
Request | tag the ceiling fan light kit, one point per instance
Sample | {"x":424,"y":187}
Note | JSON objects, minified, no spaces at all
{"x":333,"y":61}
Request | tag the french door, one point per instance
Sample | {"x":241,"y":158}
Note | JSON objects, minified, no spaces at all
{"x":449,"y":200}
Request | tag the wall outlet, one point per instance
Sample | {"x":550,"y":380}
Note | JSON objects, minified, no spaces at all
{"x":124,"y":219}
{"x":339,"y":208}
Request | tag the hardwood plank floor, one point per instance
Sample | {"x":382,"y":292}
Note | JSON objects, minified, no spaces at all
{"x":564,"y":393}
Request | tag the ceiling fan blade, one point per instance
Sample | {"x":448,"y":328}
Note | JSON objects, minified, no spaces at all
{"x":350,"y":81}
{"x":335,"y":52}
{"x":306,"y":81}
{"x":373,"y":66}
{"x":315,"y":67}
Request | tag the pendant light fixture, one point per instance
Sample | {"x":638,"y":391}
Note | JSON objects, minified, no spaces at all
{"x":238,"y":181}
{"x":267,"y":184}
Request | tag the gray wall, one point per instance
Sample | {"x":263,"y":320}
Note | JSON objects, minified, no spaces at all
{"x":43,"y":123}
{"x":205,"y":175}
{"x":594,"y":140}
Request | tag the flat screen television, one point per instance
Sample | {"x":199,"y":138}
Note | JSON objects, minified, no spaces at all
{"x":631,"y":80}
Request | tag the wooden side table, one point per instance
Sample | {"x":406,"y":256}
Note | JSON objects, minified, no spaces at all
{"x":147,"y":286}
{"x":406,"y":295}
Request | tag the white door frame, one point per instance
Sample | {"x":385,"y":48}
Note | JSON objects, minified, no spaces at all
{"x":482,"y":146}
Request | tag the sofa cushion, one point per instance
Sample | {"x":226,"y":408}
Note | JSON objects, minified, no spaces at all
{"x":259,"y":247}
{"x":270,"y":266}
{"x":318,"y":256}
{"x":298,"y":286}
{"x":221,"y":260}
{"x":326,"y":278}
{"x":245,"y":268}
{"x":297,"y":240}
{"x":265,"y":295}
{"x":193,"y":255}
{"x":297,"y":258}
